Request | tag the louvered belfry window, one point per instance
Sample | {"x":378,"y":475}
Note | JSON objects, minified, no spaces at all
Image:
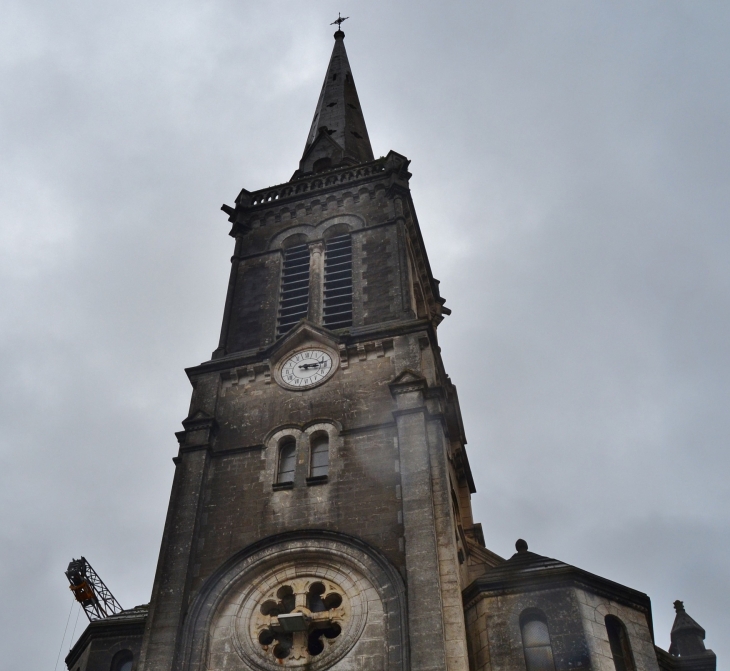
{"x":294,"y":302}
{"x":338,"y":282}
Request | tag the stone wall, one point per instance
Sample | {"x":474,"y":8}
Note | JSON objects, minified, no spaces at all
{"x":370,"y":611}
{"x":388,"y":408}
{"x":593,"y":610}
{"x":106,"y":644}
{"x":253,"y":313}
{"x":576,"y":621}
{"x":389,"y":485}
{"x":495,"y":638}
{"x":368,"y":211}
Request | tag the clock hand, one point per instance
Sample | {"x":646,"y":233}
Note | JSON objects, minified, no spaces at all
{"x":309,"y":365}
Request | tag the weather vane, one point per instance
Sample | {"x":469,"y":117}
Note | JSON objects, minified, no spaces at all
{"x":339,"y":21}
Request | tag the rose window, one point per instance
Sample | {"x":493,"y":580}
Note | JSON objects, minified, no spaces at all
{"x":298,"y":620}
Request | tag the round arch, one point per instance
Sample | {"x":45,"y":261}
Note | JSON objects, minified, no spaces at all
{"x":308,"y":232}
{"x":219,"y":620}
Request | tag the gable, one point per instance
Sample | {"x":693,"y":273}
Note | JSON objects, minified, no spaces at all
{"x":324,"y":150}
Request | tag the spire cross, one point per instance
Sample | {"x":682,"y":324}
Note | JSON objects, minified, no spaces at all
{"x":339,"y":21}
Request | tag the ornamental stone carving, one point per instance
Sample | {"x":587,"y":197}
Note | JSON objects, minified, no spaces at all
{"x":302,"y":613}
{"x":326,"y":601}
{"x":299,"y":619}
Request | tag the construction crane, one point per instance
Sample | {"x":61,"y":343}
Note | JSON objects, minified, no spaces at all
{"x":90,"y":591}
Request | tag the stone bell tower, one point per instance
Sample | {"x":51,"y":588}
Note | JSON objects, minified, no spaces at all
{"x":320,"y":512}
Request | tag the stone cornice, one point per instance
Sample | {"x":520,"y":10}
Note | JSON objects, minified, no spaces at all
{"x":261,"y":355}
{"x":124,"y":625}
{"x":551,"y":577}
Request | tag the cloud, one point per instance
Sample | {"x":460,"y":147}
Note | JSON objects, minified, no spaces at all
{"x":570,"y":170}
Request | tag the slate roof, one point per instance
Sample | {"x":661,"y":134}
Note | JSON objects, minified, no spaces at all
{"x":128,"y":622}
{"x":527,"y":571}
{"x":338,"y":109}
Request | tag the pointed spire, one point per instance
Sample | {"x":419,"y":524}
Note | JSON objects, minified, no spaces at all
{"x":687,"y":636}
{"x":338,"y":133}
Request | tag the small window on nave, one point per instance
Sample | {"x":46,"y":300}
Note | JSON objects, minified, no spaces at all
{"x":618,"y":639}
{"x":122,"y":661}
{"x":536,"y":642}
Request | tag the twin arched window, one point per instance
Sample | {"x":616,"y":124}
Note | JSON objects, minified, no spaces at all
{"x":536,"y":641}
{"x":336,"y":284}
{"x":618,"y":639}
{"x":319,"y":458}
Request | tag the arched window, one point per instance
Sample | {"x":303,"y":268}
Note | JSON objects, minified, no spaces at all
{"x":294,"y":298}
{"x":324,"y":163}
{"x":618,"y":638}
{"x":287,"y":459}
{"x":122,"y":661}
{"x":319,"y":464}
{"x":536,"y":641}
{"x":338,"y":282}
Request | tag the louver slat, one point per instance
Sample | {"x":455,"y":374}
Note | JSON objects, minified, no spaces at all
{"x":338,"y":282}
{"x":294,"y":299}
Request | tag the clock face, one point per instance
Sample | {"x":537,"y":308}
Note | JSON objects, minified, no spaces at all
{"x":306,"y":368}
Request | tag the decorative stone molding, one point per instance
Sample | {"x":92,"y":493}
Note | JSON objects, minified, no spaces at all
{"x":407,"y":382}
{"x":309,"y":184}
{"x":302,"y":614}
{"x":199,"y":431}
{"x":302,"y":434}
{"x":316,"y":232}
{"x":288,"y":589}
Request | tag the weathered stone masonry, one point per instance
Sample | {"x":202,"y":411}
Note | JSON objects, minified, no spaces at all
{"x":372,"y":560}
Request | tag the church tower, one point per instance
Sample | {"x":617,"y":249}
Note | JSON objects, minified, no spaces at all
{"x":320,"y":512}
{"x":320,"y":515}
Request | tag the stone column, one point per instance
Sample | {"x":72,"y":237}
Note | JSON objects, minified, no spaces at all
{"x":457,"y":658}
{"x":223,"y":341}
{"x":316,"y":282}
{"x":425,"y":613}
{"x":174,"y":568}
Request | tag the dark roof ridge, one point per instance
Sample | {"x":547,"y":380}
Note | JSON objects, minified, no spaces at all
{"x":528,"y":571}
{"x":131,"y":622}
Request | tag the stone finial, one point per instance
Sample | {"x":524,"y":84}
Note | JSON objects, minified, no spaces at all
{"x":521,"y":545}
{"x":688,"y":638}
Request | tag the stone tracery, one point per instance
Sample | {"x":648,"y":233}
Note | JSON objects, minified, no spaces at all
{"x":226,"y":620}
{"x":299,"y":618}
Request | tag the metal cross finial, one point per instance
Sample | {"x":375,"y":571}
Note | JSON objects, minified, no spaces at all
{"x":339,"y":21}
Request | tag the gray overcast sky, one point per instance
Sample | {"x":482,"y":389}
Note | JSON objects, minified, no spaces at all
{"x":570,"y":172}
